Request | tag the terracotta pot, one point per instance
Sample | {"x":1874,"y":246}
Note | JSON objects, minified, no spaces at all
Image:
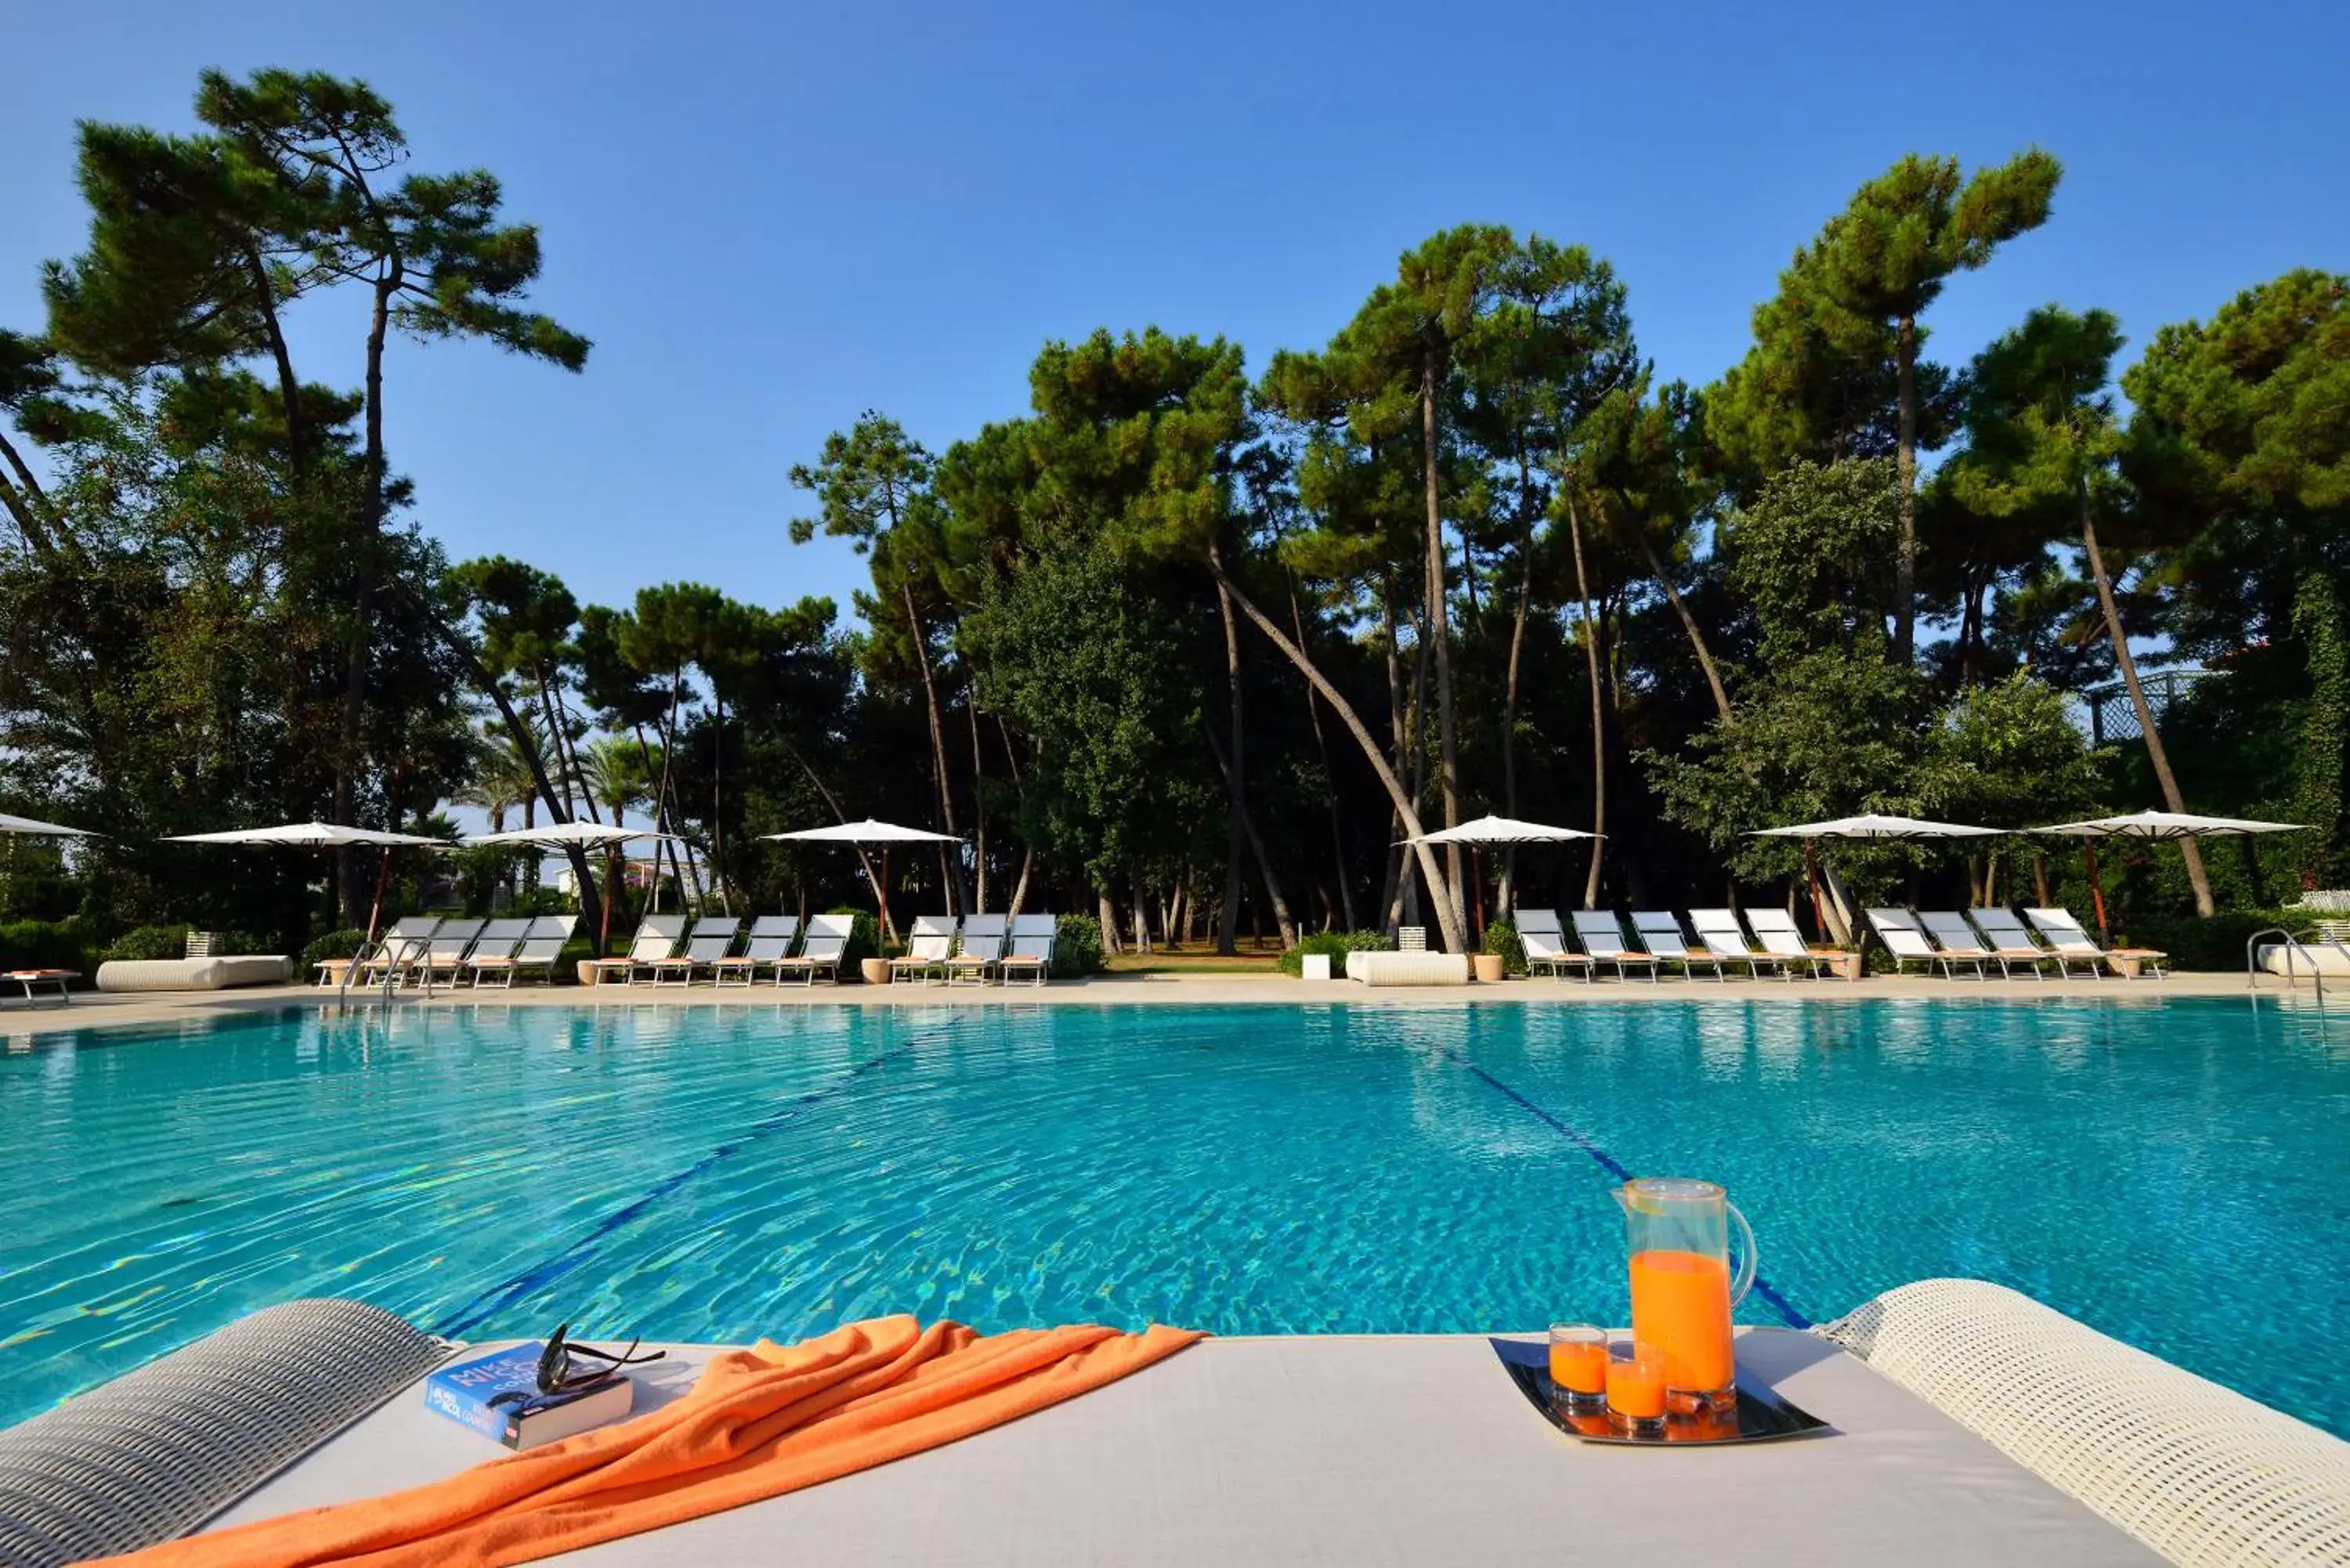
{"x":586,"y":971}
{"x":876,"y":971}
{"x":1488,"y":967}
{"x":1841,"y":965}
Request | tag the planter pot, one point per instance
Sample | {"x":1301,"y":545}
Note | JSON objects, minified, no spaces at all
{"x":586,"y":971}
{"x":1840,"y":965}
{"x":1488,"y":966}
{"x":875,"y":970}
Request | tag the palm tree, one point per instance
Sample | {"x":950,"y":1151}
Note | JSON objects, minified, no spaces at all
{"x":615,"y":775}
{"x":501,"y":779}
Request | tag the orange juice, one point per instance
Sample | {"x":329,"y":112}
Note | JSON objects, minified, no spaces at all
{"x":1680,"y":1304}
{"x":1579,"y":1368}
{"x":1636,"y":1388}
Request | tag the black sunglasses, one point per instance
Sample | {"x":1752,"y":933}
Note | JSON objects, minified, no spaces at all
{"x":565,"y":1367}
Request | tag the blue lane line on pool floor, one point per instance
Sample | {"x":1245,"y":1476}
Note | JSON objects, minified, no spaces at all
{"x":499,"y":1297}
{"x":1617,"y":1169}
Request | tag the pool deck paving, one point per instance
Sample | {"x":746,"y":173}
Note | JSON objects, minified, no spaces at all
{"x":89,"y":1010}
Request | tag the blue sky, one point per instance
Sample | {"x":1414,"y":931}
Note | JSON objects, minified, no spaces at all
{"x":770,"y":218}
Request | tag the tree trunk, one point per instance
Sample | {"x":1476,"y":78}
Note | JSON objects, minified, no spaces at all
{"x":1106,"y":914}
{"x":2155,"y":754}
{"x":1392,"y":857}
{"x":289,"y":388}
{"x":1235,"y":797}
{"x":1281,"y":916}
{"x":1688,"y":624}
{"x":1448,"y":907}
{"x":591,"y":905}
{"x":1020,"y":887}
{"x":977,"y":815}
{"x":1590,"y":630}
{"x":1509,"y":892}
{"x":1322,"y":749}
{"x":1439,"y":629}
{"x":718,"y":800}
{"x":951,"y":859}
{"x":1905,"y":459}
{"x":355,"y":670}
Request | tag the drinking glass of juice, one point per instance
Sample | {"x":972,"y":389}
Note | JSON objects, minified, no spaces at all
{"x":1578,"y":1365}
{"x":1636,"y":1388}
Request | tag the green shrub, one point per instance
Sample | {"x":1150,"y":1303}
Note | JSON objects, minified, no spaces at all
{"x":864,"y":938}
{"x":1338,"y":944}
{"x":2217,"y":943}
{"x":49,"y":944}
{"x":1077,"y":947}
{"x":1502,"y":940}
{"x":147,"y":942}
{"x":340,"y":944}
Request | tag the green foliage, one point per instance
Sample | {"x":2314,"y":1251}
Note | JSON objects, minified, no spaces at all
{"x":864,"y":938}
{"x":2325,"y":849}
{"x":2008,"y":755}
{"x":50,"y":944}
{"x":1812,"y":556}
{"x":148,"y":942}
{"x":1077,"y":947}
{"x":1336,"y":945}
{"x":1501,"y":941}
{"x":2212,"y":945}
{"x":342,"y":944}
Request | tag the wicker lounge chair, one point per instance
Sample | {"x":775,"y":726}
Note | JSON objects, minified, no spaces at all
{"x":1603,"y":937}
{"x":769,"y":944}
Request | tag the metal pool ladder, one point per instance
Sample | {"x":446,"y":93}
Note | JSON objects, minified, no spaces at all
{"x":2295,"y":949}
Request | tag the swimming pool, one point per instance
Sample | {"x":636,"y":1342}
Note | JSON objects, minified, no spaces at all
{"x":2175,"y":1172}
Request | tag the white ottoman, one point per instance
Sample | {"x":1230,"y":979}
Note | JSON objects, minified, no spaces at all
{"x":193,"y":974}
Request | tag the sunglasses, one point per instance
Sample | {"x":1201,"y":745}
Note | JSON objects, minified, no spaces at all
{"x":566,"y":1368}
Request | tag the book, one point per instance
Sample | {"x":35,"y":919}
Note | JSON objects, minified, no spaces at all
{"x":465,"y":1393}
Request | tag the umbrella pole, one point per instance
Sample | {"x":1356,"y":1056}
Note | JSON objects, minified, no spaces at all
{"x":881,"y":888}
{"x":382,"y":880}
{"x":2097,"y":890}
{"x":1819,"y":909}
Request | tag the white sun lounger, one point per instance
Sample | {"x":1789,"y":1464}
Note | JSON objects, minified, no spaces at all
{"x":1660,"y":932}
{"x":1725,"y":938}
{"x":1774,"y":928}
{"x":713,"y":937}
{"x":370,"y":961}
{"x":538,"y":952}
{"x":926,"y":951}
{"x":981,"y":950}
{"x":1602,"y":939}
{"x":2069,"y":944}
{"x":1030,"y":948}
{"x":827,"y":940}
{"x":1957,"y":942}
{"x":656,"y":936}
{"x":1546,"y":946}
{"x":2010,"y":941}
{"x":1905,"y":940}
{"x":497,"y":941}
{"x":447,"y":951}
{"x":769,"y":944}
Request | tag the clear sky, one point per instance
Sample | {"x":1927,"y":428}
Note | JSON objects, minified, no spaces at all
{"x":771,"y":217}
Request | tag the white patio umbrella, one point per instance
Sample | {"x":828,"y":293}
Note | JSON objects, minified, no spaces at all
{"x":1871,"y":827}
{"x":584,"y":836}
{"x":2153,"y":827}
{"x":324,"y":835}
{"x":34,"y":829}
{"x":1501,"y":830}
{"x":861,"y":834}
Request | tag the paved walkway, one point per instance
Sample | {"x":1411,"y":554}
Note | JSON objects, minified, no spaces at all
{"x":91,"y":1009}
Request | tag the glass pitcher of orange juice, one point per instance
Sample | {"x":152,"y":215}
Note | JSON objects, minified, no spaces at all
{"x":1683,"y":1285}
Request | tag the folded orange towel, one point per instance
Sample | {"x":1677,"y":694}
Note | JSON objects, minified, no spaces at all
{"x":760,"y":1423}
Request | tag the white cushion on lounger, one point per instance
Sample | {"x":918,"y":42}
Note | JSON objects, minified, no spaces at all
{"x":193,"y":974}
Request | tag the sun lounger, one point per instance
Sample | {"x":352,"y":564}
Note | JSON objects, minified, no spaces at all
{"x":1957,"y":942}
{"x":538,"y":952}
{"x":2069,"y":944}
{"x":1546,"y":946}
{"x":982,"y":949}
{"x":1030,"y":951}
{"x":498,"y":942}
{"x":769,"y":944}
{"x":657,"y":938}
{"x":1725,"y":938}
{"x":32,"y":979}
{"x":1602,"y":939}
{"x":2010,"y":941}
{"x":446,"y":953}
{"x":1660,"y":932}
{"x":713,"y":937}
{"x":1774,"y":928}
{"x":1905,"y":940}
{"x":827,"y":939}
{"x":404,"y":941}
{"x":926,"y":951}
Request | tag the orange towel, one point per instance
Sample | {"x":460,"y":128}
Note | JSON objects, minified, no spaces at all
{"x":760,"y":1423}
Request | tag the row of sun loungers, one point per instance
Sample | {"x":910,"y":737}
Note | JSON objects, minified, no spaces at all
{"x":422,"y":951}
{"x":1767,"y":940}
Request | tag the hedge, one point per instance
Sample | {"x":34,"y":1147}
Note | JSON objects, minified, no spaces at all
{"x":1337,"y":944}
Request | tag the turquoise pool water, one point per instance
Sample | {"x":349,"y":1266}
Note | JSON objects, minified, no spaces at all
{"x":2174,"y":1172}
